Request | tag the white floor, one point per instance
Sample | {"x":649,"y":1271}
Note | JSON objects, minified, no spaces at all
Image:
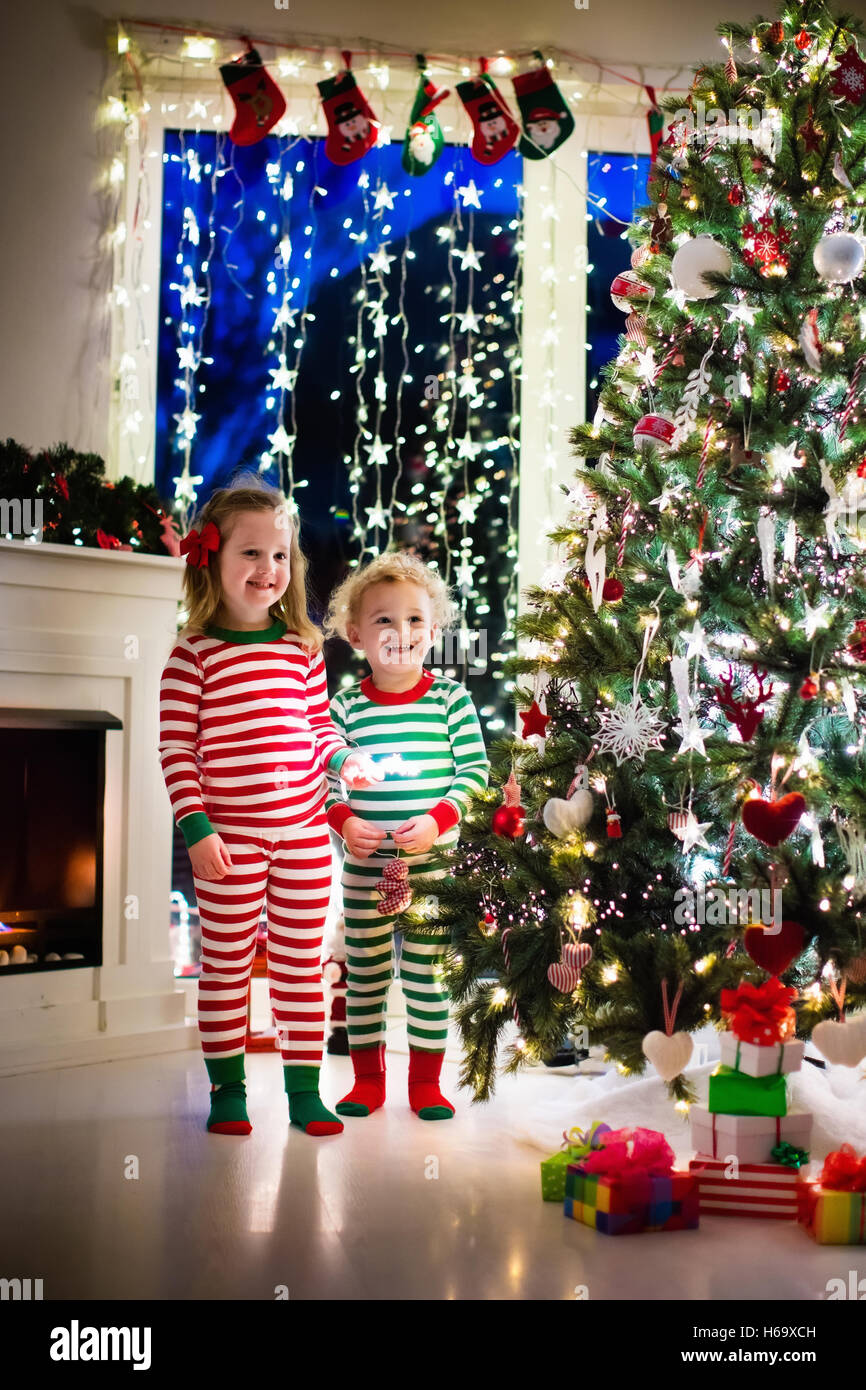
{"x":393,"y":1208}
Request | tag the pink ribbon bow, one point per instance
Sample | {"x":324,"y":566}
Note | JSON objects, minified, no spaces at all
{"x":631,"y":1153}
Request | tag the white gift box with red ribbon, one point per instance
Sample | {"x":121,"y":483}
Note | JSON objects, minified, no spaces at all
{"x":761,"y":1059}
{"x":766,"y":1190}
{"x":748,"y":1138}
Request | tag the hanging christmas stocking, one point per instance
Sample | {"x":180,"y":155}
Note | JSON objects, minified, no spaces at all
{"x":352,"y":127}
{"x":259,"y":103}
{"x":424,"y":138}
{"x":494,"y":127}
{"x":547,"y":121}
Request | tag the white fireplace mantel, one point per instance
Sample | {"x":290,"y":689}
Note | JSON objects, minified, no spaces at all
{"x":82,"y":628}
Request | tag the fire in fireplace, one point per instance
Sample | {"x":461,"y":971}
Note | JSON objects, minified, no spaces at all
{"x":51,"y":837}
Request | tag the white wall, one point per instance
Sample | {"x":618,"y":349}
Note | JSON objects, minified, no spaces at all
{"x":53,"y":278}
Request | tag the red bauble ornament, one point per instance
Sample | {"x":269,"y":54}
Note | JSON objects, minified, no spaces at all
{"x":809,"y":689}
{"x":783,"y":381}
{"x":774,"y":950}
{"x":777,"y":32}
{"x":509,"y":821}
{"x":735,"y":196}
{"x":534,"y":722}
{"x":771,"y":822}
{"x":803,"y":40}
{"x":861,"y":469}
{"x":612,"y":590}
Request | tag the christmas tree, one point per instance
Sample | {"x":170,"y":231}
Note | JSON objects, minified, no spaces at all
{"x":691,"y":775}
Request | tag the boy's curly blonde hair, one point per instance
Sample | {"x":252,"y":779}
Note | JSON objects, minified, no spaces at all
{"x":248,"y":492}
{"x":394,"y":567}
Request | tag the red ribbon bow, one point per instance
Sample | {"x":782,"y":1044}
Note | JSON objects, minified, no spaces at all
{"x":843,"y":1171}
{"x":198,"y":545}
{"x":760,"y":1013}
{"x":631,"y":1153}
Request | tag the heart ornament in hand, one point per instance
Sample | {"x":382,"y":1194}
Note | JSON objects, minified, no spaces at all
{"x":669,"y":1052}
{"x":774,"y":950}
{"x":843,"y":1044}
{"x":562,"y":817}
{"x":771,"y":822}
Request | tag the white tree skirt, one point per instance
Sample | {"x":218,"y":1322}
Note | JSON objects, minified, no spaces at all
{"x":836,"y":1096}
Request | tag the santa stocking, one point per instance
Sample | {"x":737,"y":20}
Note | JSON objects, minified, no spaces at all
{"x":259,"y":103}
{"x":494,"y":127}
{"x":547,"y":121}
{"x":424,"y":138}
{"x":352,"y":127}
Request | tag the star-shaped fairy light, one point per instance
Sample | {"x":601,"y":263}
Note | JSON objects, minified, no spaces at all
{"x":470,"y":195}
{"x":468,"y":258}
{"x":380,"y":260}
{"x":534,"y":722}
{"x":629,"y":730}
{"x":783,"y":459}
{"x":814,"y":618}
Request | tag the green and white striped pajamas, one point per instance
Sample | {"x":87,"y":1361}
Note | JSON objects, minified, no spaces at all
{"x":435,"y":730}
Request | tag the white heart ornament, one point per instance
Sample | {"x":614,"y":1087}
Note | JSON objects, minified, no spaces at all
{"x":843,"y":1044}
{"x":562,"y":817}
{"x":669,"y":1052}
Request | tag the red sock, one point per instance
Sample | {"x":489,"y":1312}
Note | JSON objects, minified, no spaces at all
{"x":425,"y":1097}
{"x":368,"y":1092}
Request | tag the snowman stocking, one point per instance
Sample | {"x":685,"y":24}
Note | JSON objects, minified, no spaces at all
{"x":495,"y":129}
{"x":424,"y":138}
{"x":352,"y":127}
{"x":259,"y":103}
{"x":547,"y":121}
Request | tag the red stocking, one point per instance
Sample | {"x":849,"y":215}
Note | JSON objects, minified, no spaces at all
{"x":352,"y":127}
{"x":495,"y":129}
{"x":259,"y":103}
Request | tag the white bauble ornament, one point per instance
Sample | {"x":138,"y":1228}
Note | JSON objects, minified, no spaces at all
{"x":627,"y":289}
{"x":692,"y":260}
{"x":657,"y":430}
{"x":669,"y":1053}
{"x":843,"y":1044}
{"x":839,"y":257}
{"x":562,"y":817}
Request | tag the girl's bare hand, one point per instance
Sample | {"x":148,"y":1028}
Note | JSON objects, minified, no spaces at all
{"x":362,"y":837}
{"x":359,"y":770}
{"x":210,"y":858}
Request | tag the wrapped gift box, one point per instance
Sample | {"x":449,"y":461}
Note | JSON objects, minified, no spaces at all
{"x":576,"y":1144}
{"x":734,"y":1093}
{"x":620,"y":1205}
{"x":766,"y":1190}
{"x":764,"y":1060}
{"x":749,"y":1138}
{"x":833,"y":1218}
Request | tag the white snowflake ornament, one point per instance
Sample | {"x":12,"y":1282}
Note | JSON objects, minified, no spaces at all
{"x":629,"y":730}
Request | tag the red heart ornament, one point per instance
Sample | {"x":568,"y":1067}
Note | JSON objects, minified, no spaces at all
{"x":565,"y":978}
{"x":773,"y":821}
{"x":774,"y":950}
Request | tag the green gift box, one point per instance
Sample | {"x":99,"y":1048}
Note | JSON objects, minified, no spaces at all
{"x":734,"y":1093}
{"x":577,"y":1143}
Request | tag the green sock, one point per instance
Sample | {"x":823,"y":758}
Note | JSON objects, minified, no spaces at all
{"x":228,"y":1100}
{"x":306,"y":1110}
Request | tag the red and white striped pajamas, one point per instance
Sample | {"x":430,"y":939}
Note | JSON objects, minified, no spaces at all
{"x":245,"y":737}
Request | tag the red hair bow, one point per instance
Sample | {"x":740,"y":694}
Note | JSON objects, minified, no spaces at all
{"x":197,"y":546}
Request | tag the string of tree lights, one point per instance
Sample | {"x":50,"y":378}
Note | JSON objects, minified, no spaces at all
{"x":705,"y":654}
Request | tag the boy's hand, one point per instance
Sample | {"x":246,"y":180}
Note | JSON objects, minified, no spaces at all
{"x":210,"y":858}
{"x":362,"y":837}
{"x":417,"y":835}
{"x":359,"y":770}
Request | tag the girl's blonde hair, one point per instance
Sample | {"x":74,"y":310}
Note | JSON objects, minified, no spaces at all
{"x":394,"y":567}
{"x":202,"y":588}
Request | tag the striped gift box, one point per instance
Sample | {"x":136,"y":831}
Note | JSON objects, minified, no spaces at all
{"x":764,"y":1190}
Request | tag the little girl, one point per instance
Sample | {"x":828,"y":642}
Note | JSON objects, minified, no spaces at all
{"x":392,"y":610}
{"x":245,"y":737}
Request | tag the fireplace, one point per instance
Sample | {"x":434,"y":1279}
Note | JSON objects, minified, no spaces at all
{"x":51,"y":837}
